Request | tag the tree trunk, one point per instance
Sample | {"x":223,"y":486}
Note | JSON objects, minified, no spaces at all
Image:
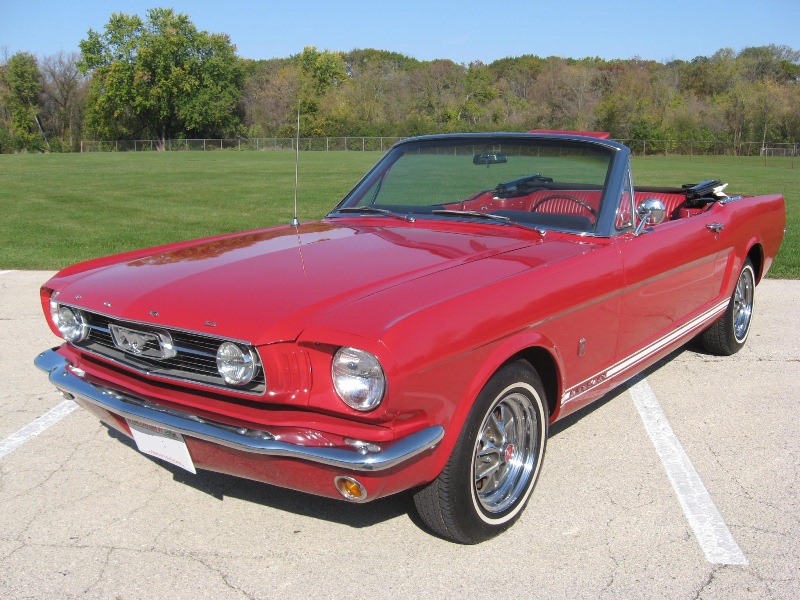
{"x":41,"y":131}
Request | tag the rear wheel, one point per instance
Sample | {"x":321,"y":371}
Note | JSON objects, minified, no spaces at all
{"x":494,"y":466}
{"x":729,"y":334}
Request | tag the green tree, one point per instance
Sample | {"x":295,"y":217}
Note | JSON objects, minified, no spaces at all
{"x":161,"y":77}
{"x":269,"y":99}
{"x":64,"y":93}
{"x":479,"y":92}
{"x":776,"y":63}
{"x":327,"y":69}
{"x":22,"y":90}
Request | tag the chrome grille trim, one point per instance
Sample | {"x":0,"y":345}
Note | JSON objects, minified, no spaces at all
{"x":195,"y":361}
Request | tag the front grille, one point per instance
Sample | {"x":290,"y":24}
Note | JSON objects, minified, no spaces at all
{"x":195,"y":359}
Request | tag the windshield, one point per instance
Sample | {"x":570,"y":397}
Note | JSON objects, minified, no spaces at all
{"x":537,"y":182}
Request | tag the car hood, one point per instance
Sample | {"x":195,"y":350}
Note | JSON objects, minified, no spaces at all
{"x":265,"y":286}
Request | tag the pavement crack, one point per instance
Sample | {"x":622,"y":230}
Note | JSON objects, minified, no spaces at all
{"x":709,"y":580}
{"x":225,"y":579}
{"x":101,"y":576}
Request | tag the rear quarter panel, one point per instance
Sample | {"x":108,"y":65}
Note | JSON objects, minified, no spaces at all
{"x":748,"y":222}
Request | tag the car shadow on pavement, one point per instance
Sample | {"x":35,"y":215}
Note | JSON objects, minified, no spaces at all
{"x":220,"y":485}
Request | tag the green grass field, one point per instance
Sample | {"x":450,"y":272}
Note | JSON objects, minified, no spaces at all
{"x":58,"y":209}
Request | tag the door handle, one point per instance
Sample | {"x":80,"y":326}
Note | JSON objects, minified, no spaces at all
{"x":715,"y":227}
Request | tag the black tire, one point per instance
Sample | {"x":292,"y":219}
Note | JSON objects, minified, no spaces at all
{"x":728,"y":335}
{"x":492,"y":471}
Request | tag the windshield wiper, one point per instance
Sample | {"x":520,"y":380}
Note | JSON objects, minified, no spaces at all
{"x":380,"y":211}
{"x":490,"y":216}
{"x":470,"y":213}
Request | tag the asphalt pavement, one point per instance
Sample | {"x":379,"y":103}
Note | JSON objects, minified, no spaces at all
{"x":83,"y":514}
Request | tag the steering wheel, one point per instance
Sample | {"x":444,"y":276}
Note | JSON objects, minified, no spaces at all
{"x":566,"y":197}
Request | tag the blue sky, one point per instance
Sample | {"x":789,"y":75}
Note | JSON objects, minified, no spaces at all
{"x":463,"y":30}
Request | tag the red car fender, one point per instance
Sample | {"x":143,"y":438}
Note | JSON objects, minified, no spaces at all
{"x":500,"y":354}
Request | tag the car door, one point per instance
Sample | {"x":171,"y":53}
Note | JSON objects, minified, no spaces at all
{"x":670,"y":277}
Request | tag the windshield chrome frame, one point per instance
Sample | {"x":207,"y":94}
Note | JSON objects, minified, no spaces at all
{"x":614,"y":184}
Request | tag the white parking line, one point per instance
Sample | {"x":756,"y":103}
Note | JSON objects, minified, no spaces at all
{"x":705,"y":520}
{"x":30,"y":431}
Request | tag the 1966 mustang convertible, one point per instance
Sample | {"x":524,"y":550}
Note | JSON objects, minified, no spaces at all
{"x":469,"y":291}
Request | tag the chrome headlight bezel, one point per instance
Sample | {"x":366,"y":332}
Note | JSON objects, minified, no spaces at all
{"x":237,"y":364}
{"x":69,"y":321}
{"x":358,"y":378}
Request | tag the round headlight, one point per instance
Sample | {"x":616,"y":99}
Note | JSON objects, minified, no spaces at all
{"x":236,"y":365}
{"x":358,"y":378}
{"x":70,"y":322}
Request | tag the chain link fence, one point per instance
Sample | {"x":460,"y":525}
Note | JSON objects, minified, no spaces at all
{"x":361,"y":144}
{"x":710,"y":148}
{"x":318,"y":144}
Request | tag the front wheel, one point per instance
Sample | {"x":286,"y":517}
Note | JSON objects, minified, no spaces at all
{"x":728,"y":335}
{"x":494,"y":466}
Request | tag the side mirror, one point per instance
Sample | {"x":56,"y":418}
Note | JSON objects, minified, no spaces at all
{"x":651,"y":211}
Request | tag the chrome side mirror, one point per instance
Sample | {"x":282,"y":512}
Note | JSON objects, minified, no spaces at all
{"x":651,"y":211}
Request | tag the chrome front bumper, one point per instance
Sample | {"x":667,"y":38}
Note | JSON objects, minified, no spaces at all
{"x":363,"y":457}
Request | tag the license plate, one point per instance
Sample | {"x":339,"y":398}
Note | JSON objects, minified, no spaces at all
{"x":162,"y":443}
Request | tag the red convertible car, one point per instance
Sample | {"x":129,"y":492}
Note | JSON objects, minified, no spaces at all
{"x":469,"y":291}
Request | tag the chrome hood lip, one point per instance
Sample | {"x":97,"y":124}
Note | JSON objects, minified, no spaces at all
{"x":264,"y":286}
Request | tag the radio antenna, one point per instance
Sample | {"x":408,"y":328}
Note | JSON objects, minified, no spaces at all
{"x":295,"y":221}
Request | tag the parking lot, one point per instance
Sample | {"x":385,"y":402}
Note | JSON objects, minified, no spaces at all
{"x":85,"y":515}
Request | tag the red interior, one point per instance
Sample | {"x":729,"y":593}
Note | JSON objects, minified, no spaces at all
{"x":559,"y":202}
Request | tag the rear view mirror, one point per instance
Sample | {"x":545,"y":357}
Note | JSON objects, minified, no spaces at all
{"x":489,"y":158}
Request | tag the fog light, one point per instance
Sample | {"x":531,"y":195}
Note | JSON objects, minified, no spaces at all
{"x":350,"y":489}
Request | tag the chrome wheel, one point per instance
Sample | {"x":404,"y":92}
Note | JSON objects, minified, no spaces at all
{"x":495,"y":463}
{"x":743,"y":304}
{"x":728,"y":334}
{"x":505,"y":453}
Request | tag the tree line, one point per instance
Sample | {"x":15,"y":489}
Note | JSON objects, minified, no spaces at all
{"x":160,"y":78}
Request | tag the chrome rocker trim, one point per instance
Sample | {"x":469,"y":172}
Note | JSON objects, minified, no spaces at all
{"x":361,"y":458}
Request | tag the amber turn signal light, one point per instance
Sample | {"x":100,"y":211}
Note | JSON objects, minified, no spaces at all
{"x":350,"y":489}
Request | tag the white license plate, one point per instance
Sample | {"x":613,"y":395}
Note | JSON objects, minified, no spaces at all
{"x":162,"y":443}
